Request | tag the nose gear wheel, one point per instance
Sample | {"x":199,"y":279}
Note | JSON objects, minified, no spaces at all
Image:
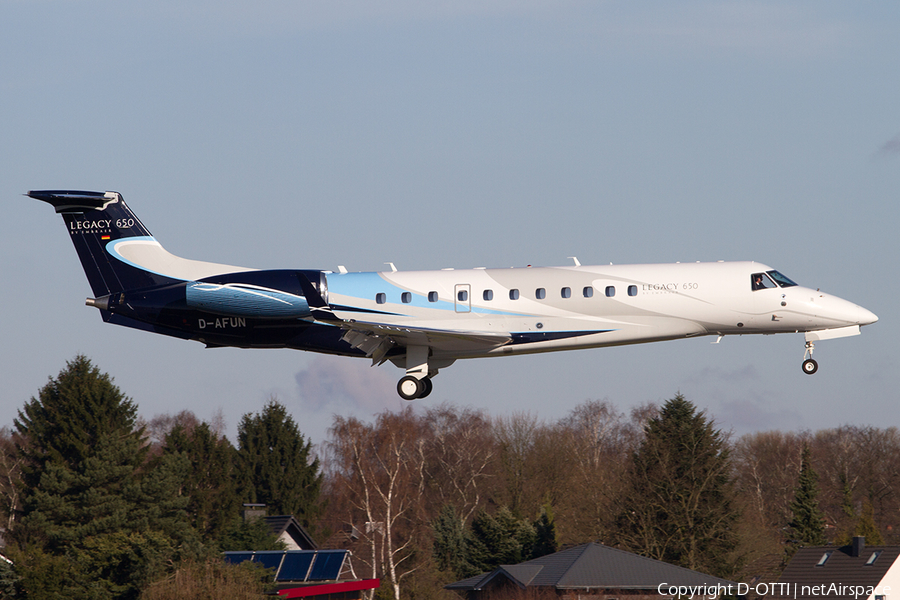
{"x":809,"y":365}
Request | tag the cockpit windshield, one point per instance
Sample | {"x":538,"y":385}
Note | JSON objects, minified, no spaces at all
{"x":769,"y":280}
{"x":780,"y":279}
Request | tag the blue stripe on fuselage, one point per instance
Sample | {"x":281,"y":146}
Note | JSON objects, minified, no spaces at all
{"x":365,"y":286}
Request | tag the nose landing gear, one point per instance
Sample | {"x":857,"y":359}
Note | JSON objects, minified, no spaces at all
{"x":809,"y":365}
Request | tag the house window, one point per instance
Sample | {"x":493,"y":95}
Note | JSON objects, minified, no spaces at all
{"x":566,"y":292}
{"x":610,"y":291}
{"x":540,"y":293}
{"x":513,"y":294}
{"x":380,"y":298}
{"x":824,"y":559}
{"x":432,"y":296}
{"x":588,"y":292}
{"x":632,"y":290}
{"x":406,"y":297}
{"x":873,"y":558}
{"x":488,"y":295}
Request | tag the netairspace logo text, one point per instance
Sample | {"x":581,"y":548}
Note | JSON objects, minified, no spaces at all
{"x":785,"y":590}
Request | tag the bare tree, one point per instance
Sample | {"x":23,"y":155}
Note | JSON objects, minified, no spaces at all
{"x":599,"y":441}
{"x":10,"y":472}
{"x":516,"y":436}
{"x":460,"y":451}
{"x":379,"y":470}
{"x":766,"y":466}
{"x":857,"y":464}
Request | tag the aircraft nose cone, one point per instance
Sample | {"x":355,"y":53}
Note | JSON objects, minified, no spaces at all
{"x":866,"y":317}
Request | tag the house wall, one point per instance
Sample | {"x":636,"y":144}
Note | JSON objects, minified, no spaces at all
{"x":891,"y":579}
{"x":288,"y":541}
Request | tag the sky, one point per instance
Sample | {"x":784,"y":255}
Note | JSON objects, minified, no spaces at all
{"x":311,"y":134}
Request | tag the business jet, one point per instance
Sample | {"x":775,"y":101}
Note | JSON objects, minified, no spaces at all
{"x":423,"y":321}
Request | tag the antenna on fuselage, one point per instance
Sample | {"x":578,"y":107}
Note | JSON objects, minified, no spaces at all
{"x":577,"y":263}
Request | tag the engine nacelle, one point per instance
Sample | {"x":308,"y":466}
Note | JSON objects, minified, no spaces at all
{"x":245,"y":300}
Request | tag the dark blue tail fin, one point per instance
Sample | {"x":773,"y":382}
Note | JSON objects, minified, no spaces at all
{"x":96,"y":220}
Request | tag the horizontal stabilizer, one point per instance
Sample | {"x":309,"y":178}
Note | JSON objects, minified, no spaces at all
{"x":70,"y":201}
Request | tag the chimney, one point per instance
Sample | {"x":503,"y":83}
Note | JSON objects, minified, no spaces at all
{"x":253,"y":511}
{"x":859,"y":544}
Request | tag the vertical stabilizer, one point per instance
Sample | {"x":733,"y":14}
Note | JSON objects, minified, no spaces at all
{"x":96,"y":221}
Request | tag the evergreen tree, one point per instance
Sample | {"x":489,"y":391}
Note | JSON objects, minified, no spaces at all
{"x":680,"y":503}
{"x":545,"y":533}
{"x":867,"y":527}
{"x":92,"y":524}
{"x":808,"y":523}
{"x":499,"y":539}
{"x":451,"y":543}
{"x":275,"y":458}
{"x":210,"y":480}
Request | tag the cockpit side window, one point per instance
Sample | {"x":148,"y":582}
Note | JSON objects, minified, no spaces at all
{"x":780,"y":279}
{"x":760,"y":281}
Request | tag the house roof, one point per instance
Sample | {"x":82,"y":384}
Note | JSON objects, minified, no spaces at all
{"x":592,"y":566}
{"x":288,"y":524}
{"x":840,"y":568}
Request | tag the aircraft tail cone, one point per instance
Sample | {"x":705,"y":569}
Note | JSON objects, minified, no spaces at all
{"x":102,"y":303}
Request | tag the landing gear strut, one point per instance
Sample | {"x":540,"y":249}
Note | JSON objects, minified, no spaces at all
{"x":809,"y":365}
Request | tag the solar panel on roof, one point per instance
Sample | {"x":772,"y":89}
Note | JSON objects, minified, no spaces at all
{"x":327,"y":565}
{"x":270,"y":560}
{"x":295,"y":566}
{"x":237,"y":557}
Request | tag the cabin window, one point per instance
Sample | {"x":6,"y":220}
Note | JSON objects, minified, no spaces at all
{"x":432,"y":296}
{"x":406,"y":297}
{"x":540,"y":293}
{"x":513,"y":294}
{"x":488,"y":295}
{"x":380,"y":298}
{"x":760,"y":281}
{"x":462,"y":295}
{"x":588,"y":291}
{"x":566,"y":292}
{"x":610,"y":291}
{"x":632,"y":290}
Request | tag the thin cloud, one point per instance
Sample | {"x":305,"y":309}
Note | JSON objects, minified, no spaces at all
{"x":338,"y":380}
{"x":891,"y":147}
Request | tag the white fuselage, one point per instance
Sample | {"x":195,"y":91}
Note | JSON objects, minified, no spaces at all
{"x":588,"y":306}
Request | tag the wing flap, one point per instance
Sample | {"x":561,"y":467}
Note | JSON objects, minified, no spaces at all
{"x":377,"y":339}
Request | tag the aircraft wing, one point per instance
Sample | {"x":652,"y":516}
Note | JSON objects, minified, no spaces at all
{"x":377,"y":339}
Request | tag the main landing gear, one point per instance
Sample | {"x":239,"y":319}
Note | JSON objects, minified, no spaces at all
{"x":417,"y":383}
{"x":420,"y":368}
{"x":411,"y":388}
{"x":809,"y":365}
